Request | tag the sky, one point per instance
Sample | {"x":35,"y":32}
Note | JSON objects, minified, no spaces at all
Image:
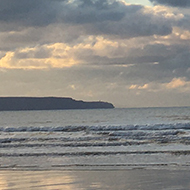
{"x":130,"y":53}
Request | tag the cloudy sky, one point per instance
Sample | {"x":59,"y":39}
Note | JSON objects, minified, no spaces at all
{"x":133,"y":53}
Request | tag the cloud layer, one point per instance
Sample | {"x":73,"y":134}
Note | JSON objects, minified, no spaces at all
{"x":175,"y":3}
{"x":96,"y":49}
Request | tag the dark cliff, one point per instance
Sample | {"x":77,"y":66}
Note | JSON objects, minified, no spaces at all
{"x":48,"y":103}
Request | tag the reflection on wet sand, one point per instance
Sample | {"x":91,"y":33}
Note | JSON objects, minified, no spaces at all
{"x":137,"y":179}
{"x":36,"y":180}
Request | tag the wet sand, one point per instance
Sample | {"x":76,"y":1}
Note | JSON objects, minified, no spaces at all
{"x":132,"y":179}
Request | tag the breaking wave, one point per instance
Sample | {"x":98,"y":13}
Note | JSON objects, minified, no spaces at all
{"x":105,"y":145}
{"x":98,"y":128}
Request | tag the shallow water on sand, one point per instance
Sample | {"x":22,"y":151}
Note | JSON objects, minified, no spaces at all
{"x":91,"y":180}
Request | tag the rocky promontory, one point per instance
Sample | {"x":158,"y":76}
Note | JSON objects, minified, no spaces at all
{"x":48,"y":103}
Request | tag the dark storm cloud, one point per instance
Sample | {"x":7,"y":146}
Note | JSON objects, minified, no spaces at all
{"x":117,"y":19}
{"x":88,"y":11}
{"x":42,"y":13}
{"x":96,"y":16}
{"x":134,"y":24}
{"x":28,"y":13}
{"x":175,"y":3}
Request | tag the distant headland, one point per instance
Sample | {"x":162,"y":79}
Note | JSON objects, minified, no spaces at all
{"x":48,"y":103}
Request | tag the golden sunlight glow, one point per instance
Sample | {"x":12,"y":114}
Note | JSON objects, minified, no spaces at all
{"x":176,"y":35}
{"x":185,"y":35}
{"x":135,"y":86}
{"x":48,"y":180}
{"x":176,"y":83}
{"x":73,"y":86}
{"x":5,"y":61}
{"x":10,"y":62}
{"x":143,"y":87}
{"x":59,"y":58}
{"x":165,"y":12}
{"x":64,"y":182}
{"x":3,"y":181}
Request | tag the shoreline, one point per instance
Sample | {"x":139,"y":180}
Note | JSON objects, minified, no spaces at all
{"x":155,"y":167}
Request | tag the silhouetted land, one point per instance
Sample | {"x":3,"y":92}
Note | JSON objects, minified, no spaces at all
{"x":48,"y":103}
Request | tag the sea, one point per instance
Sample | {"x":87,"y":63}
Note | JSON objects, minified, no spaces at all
{"x":96,"y":139}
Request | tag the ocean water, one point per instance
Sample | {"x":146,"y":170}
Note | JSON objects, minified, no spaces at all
{"x":100,"y":139}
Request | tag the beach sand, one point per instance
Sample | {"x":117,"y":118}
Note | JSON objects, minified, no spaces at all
{"x":132,"y":179}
